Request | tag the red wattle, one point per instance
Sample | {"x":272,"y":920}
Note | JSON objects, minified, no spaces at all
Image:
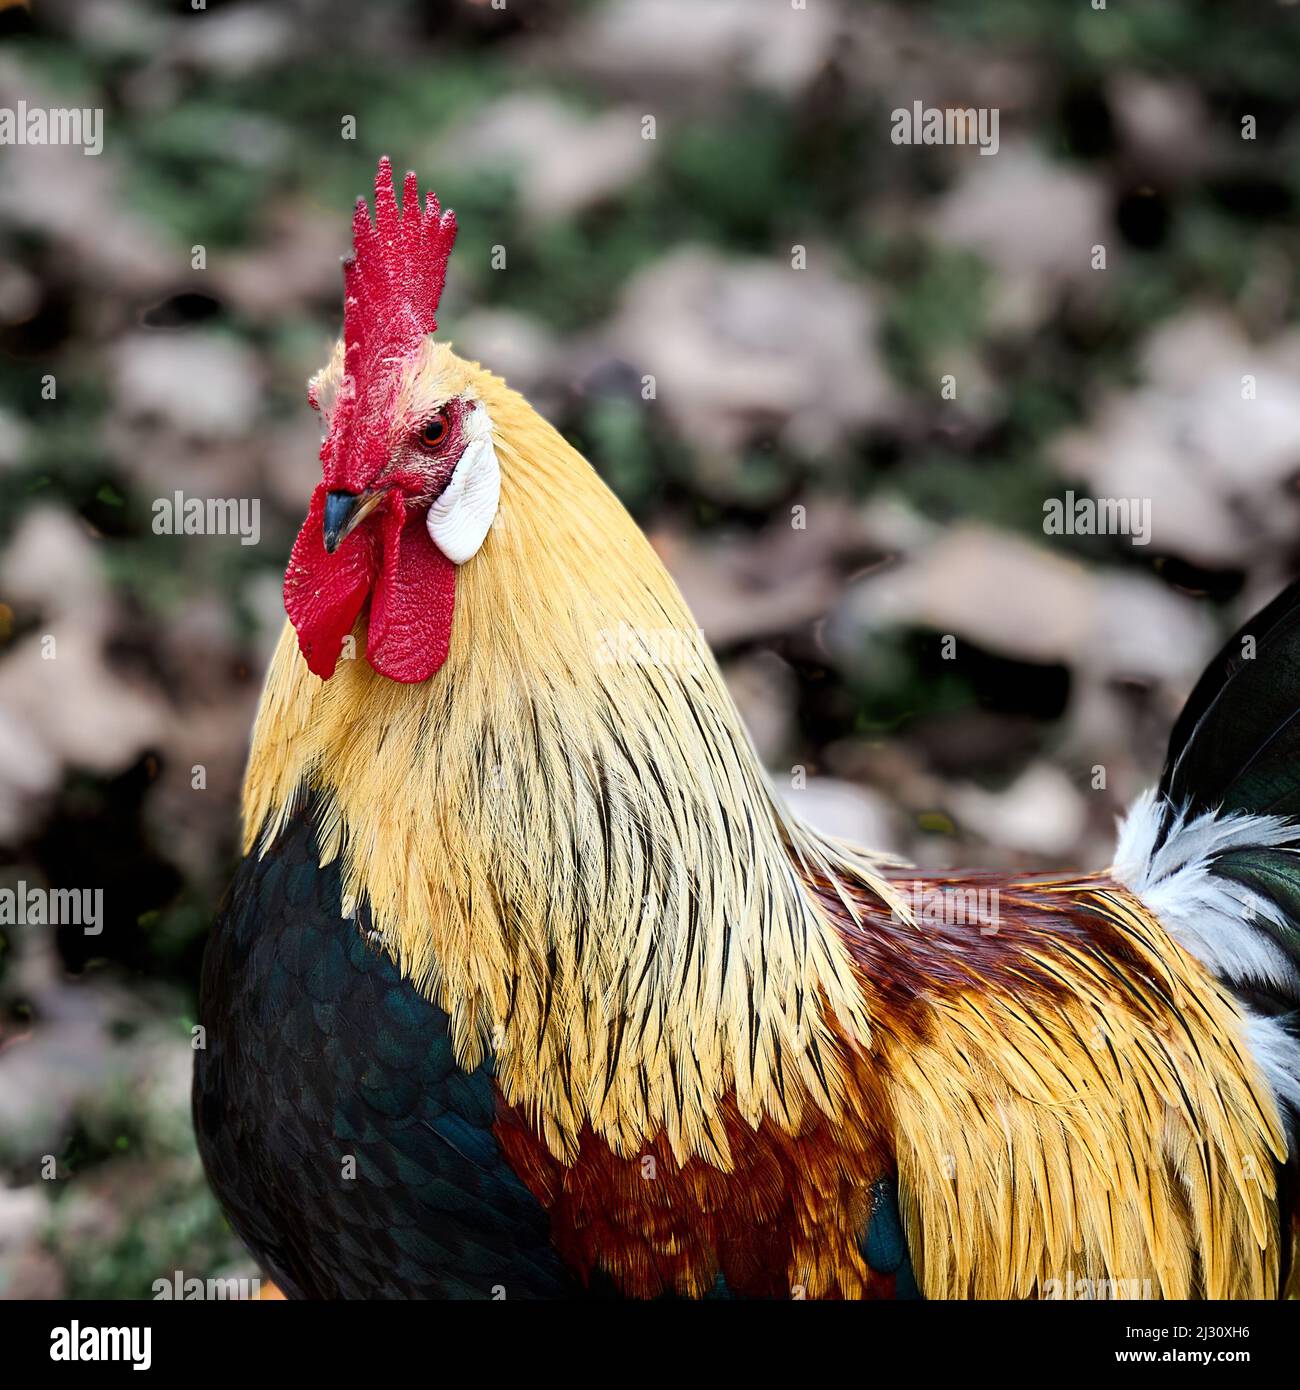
{"x":413,"y":602}
{"x":388,"y":558}
{"x":323,"y":593}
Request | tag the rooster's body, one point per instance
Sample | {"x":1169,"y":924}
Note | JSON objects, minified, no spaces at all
{"x":528,"y":986}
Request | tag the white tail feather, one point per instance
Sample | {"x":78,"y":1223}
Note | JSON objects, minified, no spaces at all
{"x":1215,"y":918}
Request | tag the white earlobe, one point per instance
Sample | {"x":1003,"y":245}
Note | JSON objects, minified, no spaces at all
{"x":461,"y":517}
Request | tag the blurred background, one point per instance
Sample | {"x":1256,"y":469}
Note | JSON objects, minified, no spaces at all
{"x":224,"y":129}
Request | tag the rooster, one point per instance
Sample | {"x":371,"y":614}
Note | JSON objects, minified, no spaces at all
{"x":529,"y":987}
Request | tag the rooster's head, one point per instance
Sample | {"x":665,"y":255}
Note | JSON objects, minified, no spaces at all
{"x":410,"y":480}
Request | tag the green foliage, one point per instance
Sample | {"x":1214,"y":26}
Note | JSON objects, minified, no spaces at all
{"x":939,"y":306}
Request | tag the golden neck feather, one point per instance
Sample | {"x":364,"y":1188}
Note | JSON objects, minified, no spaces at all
{"x":575,"y":851}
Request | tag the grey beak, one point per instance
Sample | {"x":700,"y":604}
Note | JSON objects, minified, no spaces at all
{"x":339,"y":507}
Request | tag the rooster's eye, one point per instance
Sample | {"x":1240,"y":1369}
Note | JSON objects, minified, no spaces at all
{"x":434,"y":432}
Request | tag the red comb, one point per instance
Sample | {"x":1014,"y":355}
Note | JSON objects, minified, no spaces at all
{"x":394,"y":277}
{"x":392,"y":282}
